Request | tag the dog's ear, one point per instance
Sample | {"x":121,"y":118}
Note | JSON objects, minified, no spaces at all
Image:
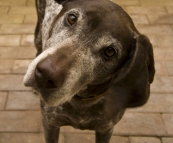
{"x":131,"y":85}
{"x":62,"y":1}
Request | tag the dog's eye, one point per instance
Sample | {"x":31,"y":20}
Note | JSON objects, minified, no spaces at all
{"x":72,"y":19}
{"x":109,"y":52}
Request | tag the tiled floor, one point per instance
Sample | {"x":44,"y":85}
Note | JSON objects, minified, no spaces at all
{"x":20,"y":118}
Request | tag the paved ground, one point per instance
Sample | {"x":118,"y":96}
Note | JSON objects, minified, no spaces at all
{"x":20,"y":119}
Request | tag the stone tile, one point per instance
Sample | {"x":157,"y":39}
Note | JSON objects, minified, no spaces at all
{"x":27,"y":40}
{"x":168,"y":119}
{"x":141,"y":124}
{"x":139,"y":19}
{"x":167,"y":140}
{"x":12,"y":2}
{"x":118,"y":139}
{"x":155,"y":40}
{"x":31,"y":3}
{"x":169,"y":67}
{"x":88,"y":138}
{"x":61,"y":138}
{"x":17,"y":29}
{"x":160,"y":68}
{"x":30,"y":19}
{"x":10,"y":40}
{"x":169,"y":9}
{"x":145,"y":10}
{"x":160,"y":18}
{"x":69,"y":129}
{"x":161,"y":40}
{"x":4,"y":3}
{"x":24,"y":9}
{"x":159,"y":53}
{"x":155,"y":29}
{"x":24,"y":138}
{"x":20,"y":66}
{"x":169,"y":54}
{"x":144,"y":140}
{"x":76,"y":138}
{"x":160,"y":103}
{"x":162,"y":84}
{"x":171,"y":78}
{"x":126,"y":2}
{"x":163,"y":53}
{"x":3,"y":10}
{"x":6,"y":66}
{"x":3,"y":97}
{"x":156,"y":2}
{"x":11,"y":18}
{"x":17,"y":52}
{"x":19,"y":121}
{"x":12,"y":82}
{"x":21,"y":138}
{"x":23,"y":101}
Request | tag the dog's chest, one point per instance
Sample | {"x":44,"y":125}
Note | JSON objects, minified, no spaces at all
{"x":92,"y":118}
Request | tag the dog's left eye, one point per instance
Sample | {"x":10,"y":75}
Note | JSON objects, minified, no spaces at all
{"x":72,"y":19}
{"x":110,"y":51}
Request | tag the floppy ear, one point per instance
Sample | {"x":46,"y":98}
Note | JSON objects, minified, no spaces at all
{"x":131,"y":86}
{"x":62,"y":1}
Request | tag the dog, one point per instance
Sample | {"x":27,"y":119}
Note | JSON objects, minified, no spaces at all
{"x":91,"y":64}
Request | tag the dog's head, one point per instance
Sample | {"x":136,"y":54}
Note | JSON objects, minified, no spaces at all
{"x":91,"y":47}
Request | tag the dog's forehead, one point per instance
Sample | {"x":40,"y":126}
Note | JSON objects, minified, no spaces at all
{"x":102,"y":16}
{"x":101,"y":10}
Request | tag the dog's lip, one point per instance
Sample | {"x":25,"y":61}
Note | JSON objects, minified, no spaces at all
{"x":46,"y":92}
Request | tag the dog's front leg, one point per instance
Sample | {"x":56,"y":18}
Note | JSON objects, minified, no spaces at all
{"x":51,"y":133}
{"x":104,"y":137}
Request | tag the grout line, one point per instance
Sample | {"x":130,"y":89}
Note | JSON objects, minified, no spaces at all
{"x":22,"y":132}
{"x":21,"y":37}
{"x":11,"y":68}
{"x":171,"y":26}
{"x":26,"y":4}
{"x":165,"y":67}
{"x":164,"y":122}
{"x":24,"y":17}
{"x":8,"y":11}
{"x":25,"y":110}
{"x":148,"y":19}
{"x":62,"y":136}
{"x":166,"y":9}
{"x":6,"y":101}
{"x":161,"y":140}
{"x":129,"y":139}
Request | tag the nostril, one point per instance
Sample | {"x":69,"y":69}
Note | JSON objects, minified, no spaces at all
{"x":51,"y":84}
{"x":44,"y":77}
{"x":38,"y":73}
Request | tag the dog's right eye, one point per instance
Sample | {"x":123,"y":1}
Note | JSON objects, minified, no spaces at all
{"x":72,"y":19}
{"x":110,"y":51}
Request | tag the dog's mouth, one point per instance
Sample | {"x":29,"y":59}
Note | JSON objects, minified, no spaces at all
{"x":90,"y":98}
{"x":54,"y":96}
{"x":92,"y":92}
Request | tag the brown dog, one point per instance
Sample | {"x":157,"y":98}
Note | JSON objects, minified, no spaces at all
{"x":91,"y":65}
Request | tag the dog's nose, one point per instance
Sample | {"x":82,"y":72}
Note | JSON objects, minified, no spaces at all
{"x":47,"y":75}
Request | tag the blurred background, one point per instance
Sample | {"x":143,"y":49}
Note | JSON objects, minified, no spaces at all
{"x":20,"y":118}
